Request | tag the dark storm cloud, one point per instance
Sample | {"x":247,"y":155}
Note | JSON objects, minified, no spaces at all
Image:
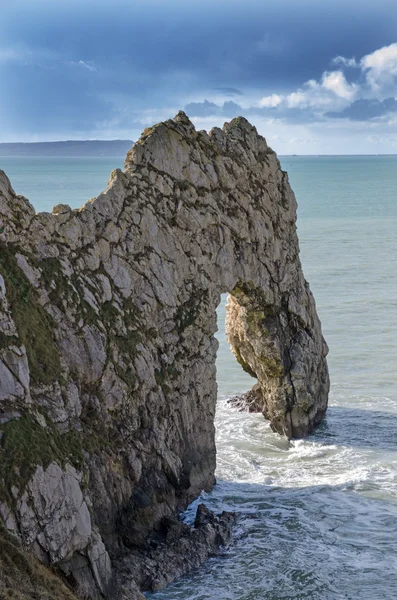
{"x":202,"y":109}
{"x":209,"y":109}
{"x":40,"y":99}
{"x":80,"y":65}
{"x":253,"y":43}
{"x":228,"y":91}
{"x":232,"y":109}
{"x":363,"y":110}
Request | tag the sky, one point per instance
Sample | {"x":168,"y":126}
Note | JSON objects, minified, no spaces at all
{"x":314,"y":76}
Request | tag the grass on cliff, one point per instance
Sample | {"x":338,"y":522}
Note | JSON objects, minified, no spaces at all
{"x":35,"y":327}
{"x":23,"y":577}
{"x":25,"y":444}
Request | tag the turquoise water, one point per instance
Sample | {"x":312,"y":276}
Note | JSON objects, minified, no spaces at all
{"x":317,"y":517}
{"x":50,"y":181}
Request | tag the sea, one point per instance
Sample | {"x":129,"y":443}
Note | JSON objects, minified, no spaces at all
{"x":317,"y":518}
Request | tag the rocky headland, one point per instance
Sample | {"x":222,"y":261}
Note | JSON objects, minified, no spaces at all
{"x":107,"y":354}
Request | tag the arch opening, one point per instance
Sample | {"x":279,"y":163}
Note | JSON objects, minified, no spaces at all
{"x":268,"y":342}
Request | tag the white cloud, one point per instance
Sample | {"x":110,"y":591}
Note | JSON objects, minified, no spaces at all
{"x":376,"y":79}
{"x":81,"y":63}
{"x":347,"y":62}
{"x":380,"y":69}
{"x":86,"y":65}
{"x":333,"y":91}
{"x":336,"y":82}
{"x":333,"y":98}
{"x":270,"y":101}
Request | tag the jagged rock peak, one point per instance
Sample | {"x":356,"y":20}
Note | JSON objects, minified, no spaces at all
{"x":108,"y":348}
{"x":171,"y":146}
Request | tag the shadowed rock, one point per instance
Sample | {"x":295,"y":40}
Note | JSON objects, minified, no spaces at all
{"x":177,"y":549}
{"x":107,"y":347}
{"x":251,"y":401}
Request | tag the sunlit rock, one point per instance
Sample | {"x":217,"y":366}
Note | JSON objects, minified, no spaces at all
{"x":107,"y":347}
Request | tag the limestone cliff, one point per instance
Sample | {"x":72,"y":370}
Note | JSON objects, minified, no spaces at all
{"x":107,"y":347}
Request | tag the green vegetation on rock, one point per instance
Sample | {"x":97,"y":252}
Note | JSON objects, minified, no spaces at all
{"x":242,"y":363}
{"x":187,"y":313}
{"x":56,"y":282}
{"x":23,"y":577}
{"x":25,"y":444}
{"x":271,"y":366}
{"x":35,"y":327}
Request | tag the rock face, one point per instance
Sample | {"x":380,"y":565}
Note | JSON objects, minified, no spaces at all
{"x":176,"y":550}
{"x":107,"y":347}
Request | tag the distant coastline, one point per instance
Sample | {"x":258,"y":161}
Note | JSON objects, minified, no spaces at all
{"x":105,"y":148}
{"x":70,"y":148}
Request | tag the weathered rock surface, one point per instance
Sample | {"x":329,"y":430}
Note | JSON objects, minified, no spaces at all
{"x":23,"y":577}
{"x":107,"y":347}
{"x":176,"y":549}
{"x":251,"y":401}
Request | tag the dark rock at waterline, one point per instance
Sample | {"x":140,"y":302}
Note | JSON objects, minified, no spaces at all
{"x":176,"y":550}
{"x":251,"y":401}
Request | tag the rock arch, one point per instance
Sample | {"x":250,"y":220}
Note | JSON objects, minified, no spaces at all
{"x":108,"y":316}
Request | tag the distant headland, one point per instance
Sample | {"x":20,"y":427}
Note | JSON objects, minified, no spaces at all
{"x":68,"y":148}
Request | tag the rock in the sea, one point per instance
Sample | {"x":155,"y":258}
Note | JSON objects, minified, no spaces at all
{"x":107,"y":347}
{"x":176,"y":550}
{"x":251,"y":401}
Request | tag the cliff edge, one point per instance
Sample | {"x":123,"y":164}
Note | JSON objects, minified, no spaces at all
{"x":107,"y":347}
